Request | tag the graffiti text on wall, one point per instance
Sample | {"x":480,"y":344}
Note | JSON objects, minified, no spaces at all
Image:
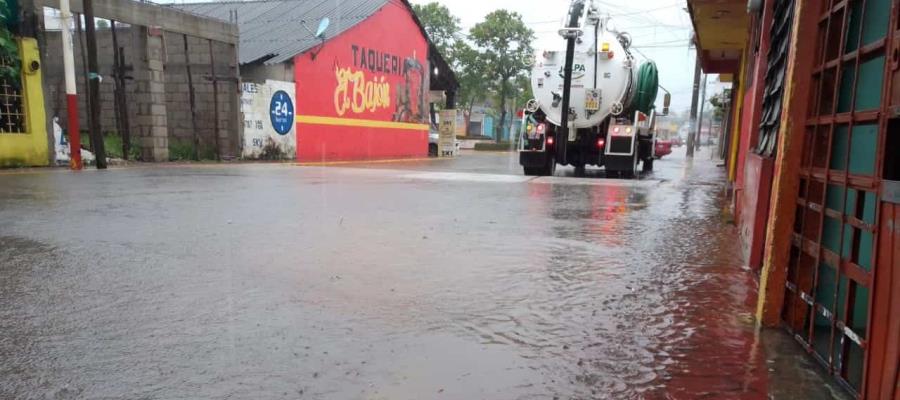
{"x":376,"y":61}
{"x":378,"y":80}
{"x":354,"y":92}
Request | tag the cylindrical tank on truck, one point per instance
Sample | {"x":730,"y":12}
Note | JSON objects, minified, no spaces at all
{"x":597,"y":85}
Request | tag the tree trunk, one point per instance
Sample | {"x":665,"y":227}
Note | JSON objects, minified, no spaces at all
{"x":467,"y":114}
{"x":502,"y":111}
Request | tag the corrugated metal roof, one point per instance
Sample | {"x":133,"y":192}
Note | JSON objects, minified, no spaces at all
{"x":272,"y":30}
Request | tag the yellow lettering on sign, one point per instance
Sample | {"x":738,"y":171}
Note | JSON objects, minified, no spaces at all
{"x":355,"y":93}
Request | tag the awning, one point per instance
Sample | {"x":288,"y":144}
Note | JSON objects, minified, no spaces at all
{"x":442,"y":76}
{"x":721,"y":33}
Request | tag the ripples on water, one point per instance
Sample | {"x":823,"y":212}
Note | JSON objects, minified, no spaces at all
{"x":609,"y":301}
{"x":545,"y":290}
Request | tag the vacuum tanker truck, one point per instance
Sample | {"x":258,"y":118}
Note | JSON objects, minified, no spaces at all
{"x":604,"y":94}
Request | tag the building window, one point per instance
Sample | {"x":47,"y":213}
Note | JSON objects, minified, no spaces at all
{"x":12,"y":112}
{"x":776,"y":74}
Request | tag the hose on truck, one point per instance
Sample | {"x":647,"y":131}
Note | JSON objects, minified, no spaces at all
{"x":647,"y":87}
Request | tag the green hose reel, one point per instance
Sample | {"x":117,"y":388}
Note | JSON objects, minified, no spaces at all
{"x":647,"y":87}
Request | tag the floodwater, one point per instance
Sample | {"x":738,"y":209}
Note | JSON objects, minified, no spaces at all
{"x":423,"y":280}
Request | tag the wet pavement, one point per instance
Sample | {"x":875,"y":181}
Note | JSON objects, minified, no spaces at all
{"x":439,"y":279}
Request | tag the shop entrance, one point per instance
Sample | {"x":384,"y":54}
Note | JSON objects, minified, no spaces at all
{"x":837,"y":230}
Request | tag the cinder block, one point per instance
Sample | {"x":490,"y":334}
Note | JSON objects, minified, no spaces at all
{"x":159,"y":131}
{"x":157,"y":87}
{"x":157,"y":109}
{"x":160,"y":154}
{"x":143,"y":120}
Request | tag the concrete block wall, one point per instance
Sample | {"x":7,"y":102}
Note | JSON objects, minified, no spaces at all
{"x":157,"y":92}
{"x":55,"y":80}
{"x":178,"y":91}
{"x":152,"y":119}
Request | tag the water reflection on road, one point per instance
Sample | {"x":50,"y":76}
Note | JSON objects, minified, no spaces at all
{"x":412,"y":282}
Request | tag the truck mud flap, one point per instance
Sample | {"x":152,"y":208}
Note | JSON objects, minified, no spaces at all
{"x":534,"y":159}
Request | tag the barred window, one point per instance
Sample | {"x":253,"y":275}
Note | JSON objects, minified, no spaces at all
{"x":12,"y":111}
{"x":775,"y":77}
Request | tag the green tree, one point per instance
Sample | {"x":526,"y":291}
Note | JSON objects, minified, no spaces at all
{"x":9,"y":50}
{"x":720,"y":103}
{"x":504,"y":44}
{"x":442,"y":27}
{"x":470,"y":72}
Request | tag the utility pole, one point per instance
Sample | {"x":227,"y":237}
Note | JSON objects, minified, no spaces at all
{"x":694,"y":97}
{"x":71,"y":94}
{"x":94,"y":87}
{"x":700,"y":118}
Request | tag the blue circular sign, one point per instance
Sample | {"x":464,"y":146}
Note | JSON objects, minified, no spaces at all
{"x":281,"y":112}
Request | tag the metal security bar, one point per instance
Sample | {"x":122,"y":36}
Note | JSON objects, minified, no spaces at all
{"x":12,"y":111}
{"x":776,"y":74}
{"x":830,"y":273}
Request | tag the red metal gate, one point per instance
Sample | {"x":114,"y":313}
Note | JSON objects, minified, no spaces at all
{"x":882,"y":379}
{"x":832,"y":274}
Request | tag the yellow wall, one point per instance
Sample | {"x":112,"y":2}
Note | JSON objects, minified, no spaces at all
{"x":29,"y":148}
{"x":736,"y":118}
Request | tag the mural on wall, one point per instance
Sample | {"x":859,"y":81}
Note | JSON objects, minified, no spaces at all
{"x":269,"y":129}
{"x":357,"y":92}
{"x":365,"y":91}
{"x":410,"y":100}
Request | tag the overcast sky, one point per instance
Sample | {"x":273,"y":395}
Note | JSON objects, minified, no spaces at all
{"x":661,"y":29}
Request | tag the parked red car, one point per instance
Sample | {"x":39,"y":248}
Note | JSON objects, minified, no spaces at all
{"x":663,"y":148}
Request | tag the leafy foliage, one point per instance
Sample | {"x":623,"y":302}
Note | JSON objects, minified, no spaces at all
{"x":504,"y":44}
{"x":492,"y":63}
{"x":470,"y":72}
{"x":442,"y":27}
{"x":720,"y":103}
{"x":10,"y":64}
{"x":112,"y":142}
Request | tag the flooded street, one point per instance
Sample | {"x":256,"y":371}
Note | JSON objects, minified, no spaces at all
{"x":456,"y":279}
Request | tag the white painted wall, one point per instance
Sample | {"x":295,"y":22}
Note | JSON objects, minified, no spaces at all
{"x":259,"y":134}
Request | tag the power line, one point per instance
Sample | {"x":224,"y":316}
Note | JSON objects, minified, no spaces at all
{"x":641,"y":12}
{"x":647,"y":11}
{"x":668,"y":46}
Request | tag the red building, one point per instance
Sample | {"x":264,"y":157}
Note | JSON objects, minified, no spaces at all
{"x":363,"y":94}
{"x":363,"y":87}
{"x":814,"y":172}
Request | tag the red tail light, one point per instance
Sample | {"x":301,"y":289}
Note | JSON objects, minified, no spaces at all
{"x":549,"y":140}
{"x":601,"y":142}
